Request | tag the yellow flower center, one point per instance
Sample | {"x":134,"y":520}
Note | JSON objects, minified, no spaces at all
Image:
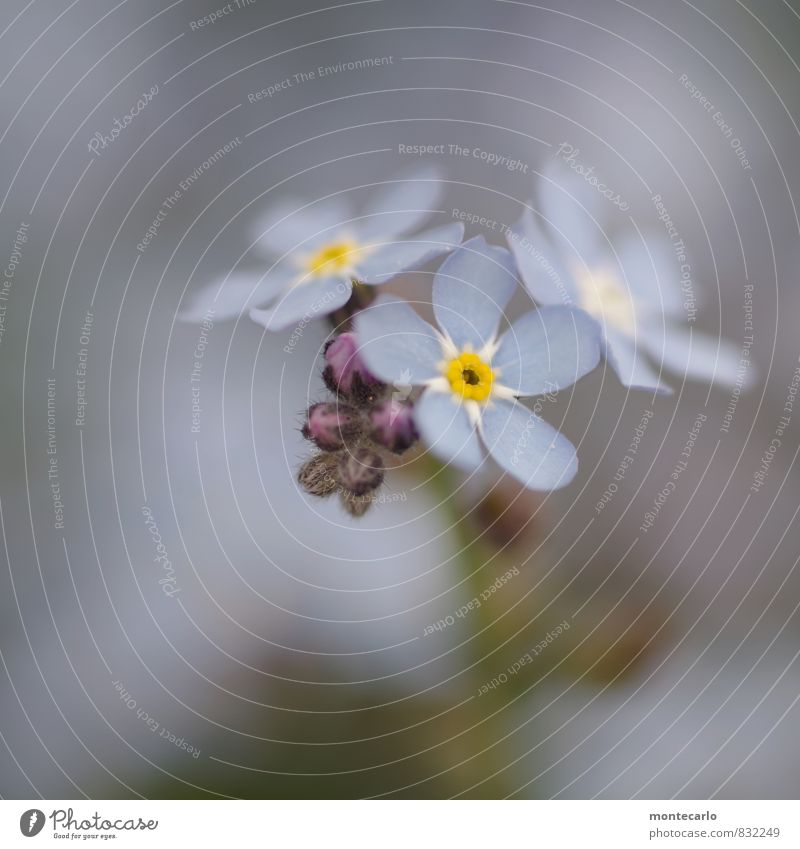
{"x":470,"y":377}
{"x":333,"y":257}
{"x":604,"y":296}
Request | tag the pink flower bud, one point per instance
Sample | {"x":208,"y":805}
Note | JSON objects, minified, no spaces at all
{"x":392,"y":424}
{"x":331,"y":425}
{"x":345,"y":373}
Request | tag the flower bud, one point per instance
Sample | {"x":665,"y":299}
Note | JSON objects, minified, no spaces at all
{"x":361,"y":471}
{"x":331,"y":426}
{"x":392,"y":425}
{"x":320,"y":475}
{"x":345,"y":373}
{"x":356,"y":505}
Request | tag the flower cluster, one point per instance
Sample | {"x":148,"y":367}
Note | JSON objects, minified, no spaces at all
{"x":355,"y":431}
{"x":469,"y":373}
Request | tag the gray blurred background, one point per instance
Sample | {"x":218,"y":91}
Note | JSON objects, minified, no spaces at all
{"x":288,"y":656}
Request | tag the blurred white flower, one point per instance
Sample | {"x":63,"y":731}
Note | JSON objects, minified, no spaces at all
{"x":317,"y":250}
{"x":632,"y":287}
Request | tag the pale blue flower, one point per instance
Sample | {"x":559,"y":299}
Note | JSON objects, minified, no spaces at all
{"x":317,"y":249}
{"x":472,"y":377}
{"x":632,"y":286}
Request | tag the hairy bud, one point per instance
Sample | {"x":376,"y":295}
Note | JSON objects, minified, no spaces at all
{"x":356,"y":505}
{"x":320,"y":475}
{"x":345,"y":373}
{"x":392,"y":425}
{"x":361,"y":471}
{"x":331,"y":426}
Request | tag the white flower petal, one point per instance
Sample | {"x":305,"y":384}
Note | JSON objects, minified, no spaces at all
{"x":527,"y":447}
{"x":291,"y":224}
{"x":574,"y":211}
{"x":540,"y":264}
{"x":547,"y":349}
{"x":445,"y":427}
{"x":631,"y":365}
{"x":652,"y":273}
{"x":388,"y":260}
{"x":396,"y":344}
{"x":233,"y":295}
{"x":402,"y":205}
{"x":699,"y":356}
{"x":471,"y":291}
{"x":305,"y":302}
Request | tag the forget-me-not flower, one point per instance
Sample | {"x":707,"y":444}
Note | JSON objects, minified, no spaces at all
{"x":472,"y":377}
{"x":633,"y":287}
{"x":318,"y":249}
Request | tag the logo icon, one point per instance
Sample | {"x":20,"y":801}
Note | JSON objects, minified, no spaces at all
{"x":403,"y":385}
{"x":401,"y":393}
{"x":31,"y":822}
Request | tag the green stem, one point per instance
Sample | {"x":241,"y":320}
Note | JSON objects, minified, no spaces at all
{"x":473,"y":554}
